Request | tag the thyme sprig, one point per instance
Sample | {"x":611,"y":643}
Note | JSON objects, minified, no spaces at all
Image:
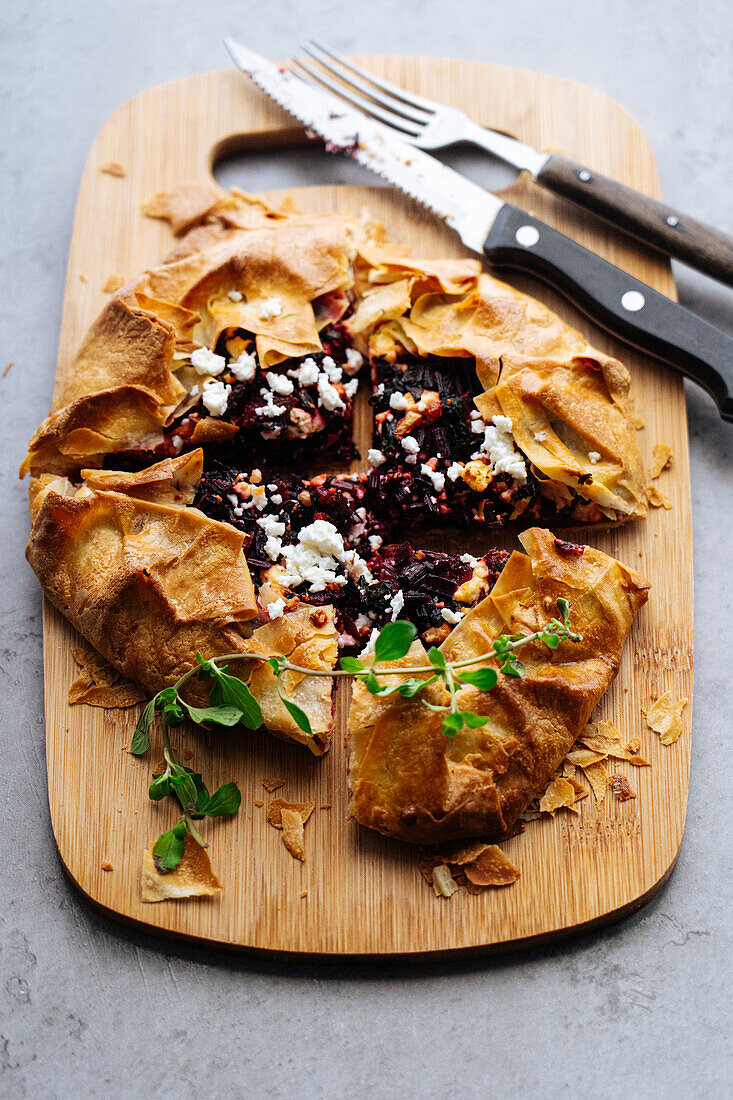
{"x":231,"y":703}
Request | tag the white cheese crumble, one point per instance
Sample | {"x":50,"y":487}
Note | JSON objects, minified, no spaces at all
{"x":269,"y":308}
{"x":215,"y":397}
{"x":271,"y":525}
{"x":411,"y":445}
{"x":276,"y":608}
{"x":276,"y":498}
{"x":315,"y":558}
{"x":351,"y":387}
{"x":468,"y":559}
{"x":454,"y":470}
{"x":540,"y":436}
{"x":478,"y":426}
{"x":258,"y":497}
{"x":375,"y":541}
{"x":306,"y":373}
{"x":327,"y":395}
{"x":397,"y":603}
{"x":278,"y":383}
{"x":235,"y":295}
{"x":380,"y":390}
{"x":594,"y":456}
{"x":498,"y":444}
{"x":375,"y":457}
{"x":451,"y":617}
{"x":206,"y":361}
{"x":332,"y":371}
{"x":269,"y":408}
{"x":437,"y":479}
{"x":398,"y":401}
{"x":354,"y":360}
{"x":368,"y":649}
{"x":244,"y":368}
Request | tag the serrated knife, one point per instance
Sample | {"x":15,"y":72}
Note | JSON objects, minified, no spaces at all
{"x":507,"y":236}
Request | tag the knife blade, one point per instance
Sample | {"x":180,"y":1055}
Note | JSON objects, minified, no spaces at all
{"x":506,"y":235}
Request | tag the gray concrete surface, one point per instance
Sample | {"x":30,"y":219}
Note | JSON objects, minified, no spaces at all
{"x":89,"y":1009}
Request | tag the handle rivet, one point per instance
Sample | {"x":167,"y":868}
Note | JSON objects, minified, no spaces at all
{"x":633,"y":300}
{"x":527,"y":235}
{"x":584,"y":175}
{"x":672,"y":220}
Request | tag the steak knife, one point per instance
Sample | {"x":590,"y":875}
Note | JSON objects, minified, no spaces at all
{"x":507,"y":236}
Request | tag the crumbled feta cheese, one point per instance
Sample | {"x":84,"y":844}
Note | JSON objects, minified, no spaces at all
{"x":215,"y":397}
{"x":468,"y":559}
{"x":278,"y":383}
{"x":276,"y":498}
{"x":333,"y":372}
{"x":397,"y":603}
{"x":327,"y":395}
{"x":269,"y":308}
{"x":411,"y":445}
{"x":356,"y":567}
{"x":398,"y":401}
{"x":244,"y":368}
{"x":272,"y":487}
{"x":351,"y":387}
{"x":375,"y":541}
{"x":306,"y":373}
{"x":276,"y":608}
{"x":451,"y":617}
{"x":271,"y":525}
{"x":235,"y":295}
{"x":476,"y":415}
{"x":498,"y":444}
{"x":454,"y":470}
{"x":375,"y":457}
{"x":478,"y":427}
{"x":315,"y":558}
{"x":206,"y":361}
{"x":177,"y":443}
{"x":258,"y":497}
{"x":594,"y":456}
{"x":273,"y":547}
{"x":363,"y":621}
{"x":194,"y":390}
{"x":540,"y":436}
{"x":411,"y":460}
{"x":380,"y":389}
{"x":238,"y":511}
{"x":437,"y":479}
{"x":354,"y":360}
{"x":233,"y":499}
{"x":368,"y":649}
{"x":269,"y":408}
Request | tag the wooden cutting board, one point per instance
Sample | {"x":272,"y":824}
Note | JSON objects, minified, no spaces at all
{"x":365,"y":895}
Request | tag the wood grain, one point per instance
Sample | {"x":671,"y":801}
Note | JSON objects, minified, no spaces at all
{"x":365,"y":895}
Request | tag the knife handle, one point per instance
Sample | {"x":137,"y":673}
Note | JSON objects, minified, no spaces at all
{"x":653,"y":223}
{"x":618,"y":302}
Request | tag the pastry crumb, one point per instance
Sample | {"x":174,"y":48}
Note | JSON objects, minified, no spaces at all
{"x":621,"y":787}
{"x":443,"y":882}
{"x":560,"y":794}
{"x":187,"y":754}
{"x":657,"y":499}
{"x":661,"y":460}
{"x":113,"y":168}
{"x":259,"y":802}
{"x":83,"y":277}
{"x":7,"y":367}
{"x":293,"y":834}
{"x":274,"y":784}
{"x":113,"y":283}
{"x":192,"y":878}
{"x":106,"y":866}
{"x":665,"y":718}
{"x":304,"y":893}
{"x":276,"y":807}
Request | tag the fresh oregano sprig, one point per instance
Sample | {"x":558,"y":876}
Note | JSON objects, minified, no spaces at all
{"x":232,"y":703}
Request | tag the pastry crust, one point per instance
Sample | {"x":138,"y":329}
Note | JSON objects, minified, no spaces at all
{"x":410,"y":781}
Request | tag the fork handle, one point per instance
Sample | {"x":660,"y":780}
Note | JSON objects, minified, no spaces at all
{"x":652,"y":222}
{"x":628,"y":308}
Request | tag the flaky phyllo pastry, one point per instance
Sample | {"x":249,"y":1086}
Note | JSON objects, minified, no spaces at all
{"x":177,"y":504}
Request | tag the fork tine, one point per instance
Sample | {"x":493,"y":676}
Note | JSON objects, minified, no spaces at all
{"x":409,"y":98}
{"x":395,"y":122}
{"x":392,"y":103}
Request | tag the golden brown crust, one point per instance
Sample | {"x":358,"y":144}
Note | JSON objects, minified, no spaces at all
{"x":410,"y":781}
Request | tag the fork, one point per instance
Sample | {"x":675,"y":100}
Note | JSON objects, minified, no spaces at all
{"x":431,"y":125}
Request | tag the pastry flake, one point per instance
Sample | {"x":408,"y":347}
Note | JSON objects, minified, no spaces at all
{"x":665,"y":717}
{"x":192,"y":878}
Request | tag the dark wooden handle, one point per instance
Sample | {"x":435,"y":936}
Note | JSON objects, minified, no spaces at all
{"x":625,"y":306}
{"x":650,"y":221}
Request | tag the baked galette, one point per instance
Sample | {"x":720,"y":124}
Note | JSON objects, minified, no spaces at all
{"x":179,"y":499}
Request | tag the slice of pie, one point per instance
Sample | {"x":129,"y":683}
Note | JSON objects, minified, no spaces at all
{"x":410,"y":781}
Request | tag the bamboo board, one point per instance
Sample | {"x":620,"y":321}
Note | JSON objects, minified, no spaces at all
{"x":365,"y":895}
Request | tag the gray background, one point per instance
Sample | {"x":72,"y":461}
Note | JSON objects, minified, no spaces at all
{"x":88,"y":1008}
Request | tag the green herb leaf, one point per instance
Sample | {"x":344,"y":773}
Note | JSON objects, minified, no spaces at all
{"x":224,"y":801}
{"x":452,"y":723}
{"x":276,"y":664}
{"x":436,"y":658}
{"x":141,"y":737}
{"x":185,"y":791}
{"x":221,"y":716}
{"x":234,"y":692}
{"x":160,"y":787}
{"x":166,"y":697}
{"x":372,"y":684}
{"x":409,"y":688}
{"x":550,"y":638}
{"x":352,"y":664}
{"x":512,"y":667}
{"x":482,"y":678}
{"x":394,"y":640}
{"x":168,"y":848}
{"x":298,"y":715}
{"x":564,"y":608}
{"x":473,"y":721}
